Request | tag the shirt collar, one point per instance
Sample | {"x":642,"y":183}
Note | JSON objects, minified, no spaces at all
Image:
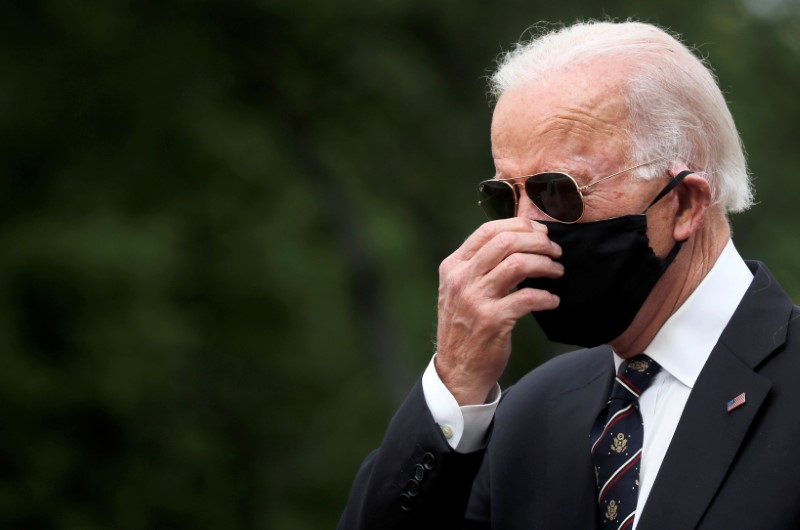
{"x":685,"y":341}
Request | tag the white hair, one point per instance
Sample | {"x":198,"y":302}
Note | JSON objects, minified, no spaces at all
{"x":676,"y":107}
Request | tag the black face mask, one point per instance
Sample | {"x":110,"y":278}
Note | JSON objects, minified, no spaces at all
{"x":609,"y":270}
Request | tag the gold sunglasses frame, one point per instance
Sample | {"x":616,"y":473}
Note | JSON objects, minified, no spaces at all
{"x":581,"y":189}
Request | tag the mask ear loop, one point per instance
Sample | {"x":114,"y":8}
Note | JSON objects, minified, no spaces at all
{"x":668,"y":188}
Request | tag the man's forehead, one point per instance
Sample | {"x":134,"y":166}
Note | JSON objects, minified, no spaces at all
{"x":594,"y":90}
{"x":575,"y":120}
{"x":530,"y":115}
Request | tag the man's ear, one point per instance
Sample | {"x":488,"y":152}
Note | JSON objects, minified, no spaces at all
{"x":694,"y":199}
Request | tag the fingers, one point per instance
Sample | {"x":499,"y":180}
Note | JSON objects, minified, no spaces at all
{"x":477,"y":308}
{"x":502,"y":254}
{"x":516,"y":267}
{"x":489,"y":230}
{"x":506,"y":244}
{"x":528,"y":300}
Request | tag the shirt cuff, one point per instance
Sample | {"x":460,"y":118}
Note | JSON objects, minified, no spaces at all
{"x":463,"y":427}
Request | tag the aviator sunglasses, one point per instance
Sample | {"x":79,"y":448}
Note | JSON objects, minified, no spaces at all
{"x":555,"y":193}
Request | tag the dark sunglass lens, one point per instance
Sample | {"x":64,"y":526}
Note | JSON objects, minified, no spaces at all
{"x":497,"y":199}
{"x":556,"y":195}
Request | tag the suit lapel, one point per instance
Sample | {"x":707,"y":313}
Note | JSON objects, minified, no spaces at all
{"x":705,"y":443}
{"x":571,"y":415}
{"x":708,"y":437}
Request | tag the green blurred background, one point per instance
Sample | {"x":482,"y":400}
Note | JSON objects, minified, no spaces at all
{"x":222,"y":222}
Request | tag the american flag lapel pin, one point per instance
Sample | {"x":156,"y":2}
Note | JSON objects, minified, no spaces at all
{"x":736,"y":402}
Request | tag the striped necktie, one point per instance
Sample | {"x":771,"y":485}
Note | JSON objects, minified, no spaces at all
{"x":617,"y":444}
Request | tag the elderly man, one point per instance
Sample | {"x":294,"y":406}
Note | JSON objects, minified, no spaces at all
{"x":617,"y":163}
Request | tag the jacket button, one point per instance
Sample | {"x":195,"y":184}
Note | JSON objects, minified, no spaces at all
{"x":419,"y":472}
{"x":428,"y":461}
{"x":405,"y":502}
{"x":412,"y":488}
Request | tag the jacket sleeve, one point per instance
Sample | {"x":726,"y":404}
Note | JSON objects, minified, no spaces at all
{"x":414,"y":480}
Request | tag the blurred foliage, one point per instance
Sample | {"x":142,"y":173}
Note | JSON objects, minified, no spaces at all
{"x":221,"y":226}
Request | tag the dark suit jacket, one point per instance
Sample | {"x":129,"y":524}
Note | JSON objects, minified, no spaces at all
{"x":723,"y":470}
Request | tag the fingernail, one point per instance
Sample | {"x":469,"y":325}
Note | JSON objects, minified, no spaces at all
{"x":556,"y":247}
{"x":559,"y":266}
{"x":539,"y":226}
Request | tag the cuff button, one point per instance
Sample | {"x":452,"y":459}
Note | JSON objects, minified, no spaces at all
{"x":412,"y":488}
{"x":428,"y":461}
{"x":405,"y":502}
{"x":448,"y":431}
{"x":419,"y":472}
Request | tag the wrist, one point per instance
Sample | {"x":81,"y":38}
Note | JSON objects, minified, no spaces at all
{"x":466,"y":387}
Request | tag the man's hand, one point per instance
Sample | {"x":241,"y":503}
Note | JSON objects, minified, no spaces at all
{"x":478,"y":307}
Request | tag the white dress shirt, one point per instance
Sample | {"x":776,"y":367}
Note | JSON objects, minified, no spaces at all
{"x":681,"y":347}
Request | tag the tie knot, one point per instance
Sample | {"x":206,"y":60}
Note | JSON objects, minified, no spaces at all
{"x":633,"y":377}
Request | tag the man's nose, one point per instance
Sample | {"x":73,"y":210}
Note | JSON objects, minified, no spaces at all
{"x":527,"y":209}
